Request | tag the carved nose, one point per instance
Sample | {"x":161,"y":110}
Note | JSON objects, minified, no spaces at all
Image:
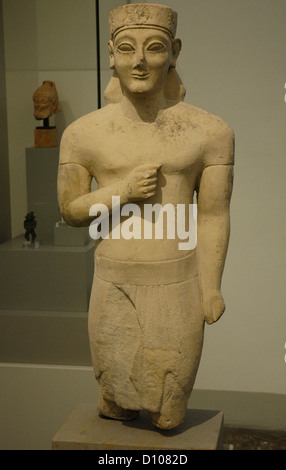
{"x":140,"y":60}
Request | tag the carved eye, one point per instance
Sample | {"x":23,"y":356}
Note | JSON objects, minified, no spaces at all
{"x":156,"y":47}
{"x":125,"y":47}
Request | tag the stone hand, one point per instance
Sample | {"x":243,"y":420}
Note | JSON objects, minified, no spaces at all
{"x":142,"y":181}
{"x":213,"y":306}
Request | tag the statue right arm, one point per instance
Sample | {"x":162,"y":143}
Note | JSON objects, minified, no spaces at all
{"x":74,"y":186}
{"x":76,"y":198}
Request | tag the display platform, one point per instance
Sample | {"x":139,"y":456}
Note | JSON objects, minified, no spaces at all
{"x":41,"y":174}
{"x":49,"y":278}
{"x":85,"y":430}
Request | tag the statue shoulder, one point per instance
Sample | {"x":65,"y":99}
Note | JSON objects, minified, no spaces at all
{"x":220,"y":143}
{"x":219,"y":129}
{"x":206,"y":120}
{"x":217,"y":135}
{"x":92,"y":120}
{"x":83,"y":133}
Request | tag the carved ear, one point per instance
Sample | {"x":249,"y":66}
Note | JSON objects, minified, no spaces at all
{"x":111,"y":54}
{"x":176,"y":48}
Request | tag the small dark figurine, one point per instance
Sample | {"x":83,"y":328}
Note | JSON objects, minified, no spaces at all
{"x":30,"y":224}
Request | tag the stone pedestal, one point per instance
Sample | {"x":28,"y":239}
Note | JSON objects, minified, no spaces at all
{"x":46,"y":138}
{"x":41,"y":170}
{"x":85,"y":430}
{"x":48,"y":278}
{"x":65,"y":235}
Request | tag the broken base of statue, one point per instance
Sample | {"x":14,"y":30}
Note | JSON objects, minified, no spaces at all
{"x":85,"y":430}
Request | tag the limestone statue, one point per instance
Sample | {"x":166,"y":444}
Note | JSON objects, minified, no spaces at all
{"x":147,"y":148}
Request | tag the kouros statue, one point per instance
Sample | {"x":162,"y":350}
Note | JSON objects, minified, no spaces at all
{"x":150,"y":153}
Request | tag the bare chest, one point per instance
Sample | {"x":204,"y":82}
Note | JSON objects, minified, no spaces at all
{"x":121,"y":148}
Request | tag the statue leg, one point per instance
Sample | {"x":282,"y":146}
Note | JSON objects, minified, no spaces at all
{"x":109,"y":312}
{"x":174,"y":405}
{"x":178,"y":387}
{"x":185,"y":316}
{"x":109,"y":409}
{"x":33,"y":235}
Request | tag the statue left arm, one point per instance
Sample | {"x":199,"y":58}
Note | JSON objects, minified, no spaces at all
{"x":214,"y":196}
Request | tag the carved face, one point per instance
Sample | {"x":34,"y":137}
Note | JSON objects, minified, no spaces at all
{"x":46,"y":100}
{"x":141,"y":59}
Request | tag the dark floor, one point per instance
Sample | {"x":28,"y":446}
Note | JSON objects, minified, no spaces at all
{"x":253,"y":439}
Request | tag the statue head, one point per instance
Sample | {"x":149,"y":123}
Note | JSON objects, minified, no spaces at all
{"x":143,"y":15}
{"x":143,"y":51}
{"x":46,"y":102}
{"x":30,"y":217}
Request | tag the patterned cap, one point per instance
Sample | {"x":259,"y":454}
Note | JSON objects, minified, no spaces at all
{"x":146,"y":15}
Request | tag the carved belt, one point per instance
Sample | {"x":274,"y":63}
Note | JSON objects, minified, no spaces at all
{"x":146,"y":273}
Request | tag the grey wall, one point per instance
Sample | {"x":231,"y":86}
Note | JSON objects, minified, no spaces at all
{"x":5,"y":217}
{"x":233,"y":64}
{"x":54,"y":40}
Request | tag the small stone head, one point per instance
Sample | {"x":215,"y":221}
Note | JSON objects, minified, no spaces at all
{"x":46,"y":102}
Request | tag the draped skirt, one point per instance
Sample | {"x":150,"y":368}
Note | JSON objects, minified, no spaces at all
{"x":146,"y":332}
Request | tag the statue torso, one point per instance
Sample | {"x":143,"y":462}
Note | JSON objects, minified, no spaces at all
{"x":110,"y":146}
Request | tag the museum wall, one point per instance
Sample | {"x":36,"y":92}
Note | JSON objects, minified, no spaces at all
{"x":5,"y":212}
{"x":233,"y":65}
{"x":45,"y":41}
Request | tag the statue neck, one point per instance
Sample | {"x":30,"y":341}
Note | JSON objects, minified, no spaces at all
{"x":143,"y":108}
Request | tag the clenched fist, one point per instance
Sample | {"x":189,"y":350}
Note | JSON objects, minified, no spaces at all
{"x":213,"y":306}
{"x":142,"y":181}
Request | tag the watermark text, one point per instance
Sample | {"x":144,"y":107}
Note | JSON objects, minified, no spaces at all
{"x":149,"y":221}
